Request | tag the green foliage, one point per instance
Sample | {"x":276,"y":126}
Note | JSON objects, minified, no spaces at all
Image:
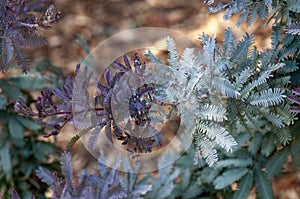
{"x":248,"y":96}
{"x":221,"y":87}
{"x":244,"y":187}
{"x":281,"y":11}
{"x":274,"y":166}
{"x":264,"y":188}
{"x":192,"y":75}
{"x":249,"y":10}
{"x":20,"y":141}
{"x":258,"y":88}
{"x":229,"y":177}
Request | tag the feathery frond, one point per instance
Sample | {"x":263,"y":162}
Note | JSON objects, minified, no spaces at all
{"x":267,"y":98}
{"x":229,"y":177}
{"x":293,"y":28}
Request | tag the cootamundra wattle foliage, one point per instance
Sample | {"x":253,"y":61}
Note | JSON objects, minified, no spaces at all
{"x":237,"y":102}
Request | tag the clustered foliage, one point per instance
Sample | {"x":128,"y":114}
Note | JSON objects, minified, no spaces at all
{"x":20,"y":143}
{"x":45,"y":107}
{"x":233,"y":83}
{"x":284,"y":12}
{"x":138,"y":105}
{"x":238,"y":103}
{"x":111,"y":183}
{"x":72,"y":107}
{"x":19,"y":22}
{"x":104,"y":185}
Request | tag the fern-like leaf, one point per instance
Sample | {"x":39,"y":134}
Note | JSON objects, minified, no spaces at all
{"x":293,"y":28}
{"x":173,"y":56}
{"x":273,"y":67}
{"x":263,"y":9}
{"x":290,"y":66}
{"x":243,"y":47}
{"x":251,"y":16}
{"x":207,"y":150}
{"x":237,"y":162}
{"x":209,"y":44}
{"x":255,"y":143}
{"x":7,"y":50}
{"x":244,"y":187}
{"x":21,"y":57}
{"x":270,"y":143}
{"x":93,"y":139}
{"x":294,"y":5}
{"x":284,"y":135}
{"x":262,"y":79}
{"x":289,"y":48}
{"x":243,"y":17}
{"x":36,"y":41}
{"x":218,"y":134}
{"x":276,"y":119}
{"x":228,"y":42}
{"x":213,"y":112}
{"x":263,"y":186}
{"x":242,"y":78}
{"x":275,"y":165}
{"x":67,"y":170}
{"x":152,"y":58}
{"x":80,"y":99}
{"x":45,"y":176}
{"x":284,"y":111}
{"x":229,"y":177}
{"x":225,"y":87}
{"x":267,"y":98}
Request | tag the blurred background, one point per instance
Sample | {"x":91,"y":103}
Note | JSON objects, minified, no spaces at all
{"x":96,"y":20}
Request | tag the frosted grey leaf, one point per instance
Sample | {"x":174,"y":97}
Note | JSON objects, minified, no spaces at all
{"x":213,"y":112}
{"x":293,"y":28}
{"x":45,"y":176}
{"x":67,"y":169}
{"x":266,"y":98}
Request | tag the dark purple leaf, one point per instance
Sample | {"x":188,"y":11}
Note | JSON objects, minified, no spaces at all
{"x":14,"y":194}
{"x":119,"y":66}
{"x":19,"y":22}
{"x":126,"y":61}
{"x":60,"y":94}
{"x":116,"y":78}
{"x":108,"y":133}
{"x":295,"y":109}
{"x":108,"y":77}
{"x":294,"y":99}
{"x":296,"y":91}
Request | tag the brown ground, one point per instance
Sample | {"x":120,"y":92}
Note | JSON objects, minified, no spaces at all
{"x":97,"y":20}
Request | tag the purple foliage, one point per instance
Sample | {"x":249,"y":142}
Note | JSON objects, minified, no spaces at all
{"x":295,"y":98}
{"x":15,"y":195}
{"x":138,"y":107}
{"x":18,"y":24}
{"x":104,"y":184}
{"x":59,"y":114}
